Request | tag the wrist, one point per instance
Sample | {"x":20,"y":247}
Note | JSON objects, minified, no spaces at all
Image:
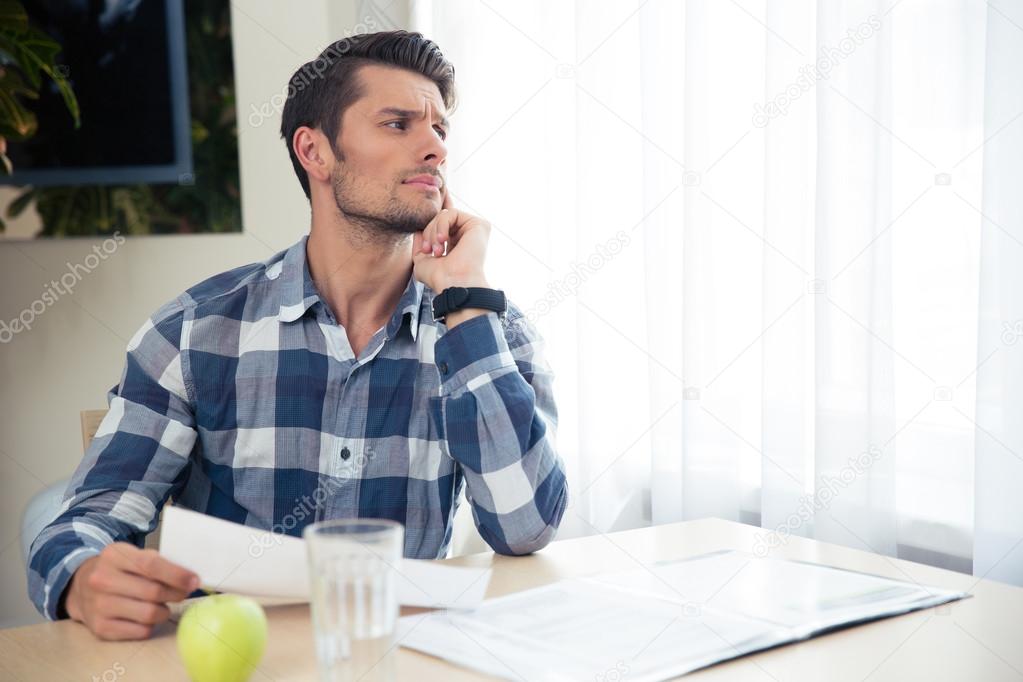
{"x":69,"y":602}
{"x":469,"y":280}
{"x":447,"y":306}
{"x":72,"y":592}
{"x":452,"y":320}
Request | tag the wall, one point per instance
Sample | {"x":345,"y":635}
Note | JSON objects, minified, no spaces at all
{"x":74,"y":351}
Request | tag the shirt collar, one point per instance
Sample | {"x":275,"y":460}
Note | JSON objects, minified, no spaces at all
{"x":409,"y":304}
{"x":298,"y":292}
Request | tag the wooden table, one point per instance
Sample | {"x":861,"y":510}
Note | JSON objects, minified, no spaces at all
{"x":974,"y":639}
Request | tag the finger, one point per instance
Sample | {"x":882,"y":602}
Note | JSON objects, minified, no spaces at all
{"x":428,"y":234}
{"x":443,"y":231}
{"x":443,"y":228}
{"x":424,"y":244}
{"x":417,"y":243}
{"x":133,"y":610}
{"x":137,"y":587}
{"x":457,"y":229}
{"x":149,"y":564}
{"x":116,"y":629}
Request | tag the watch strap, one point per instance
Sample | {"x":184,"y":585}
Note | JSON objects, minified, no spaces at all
{"x":457,"y":298}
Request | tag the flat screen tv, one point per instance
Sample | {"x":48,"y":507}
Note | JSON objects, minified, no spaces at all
{"x":126,"y":62}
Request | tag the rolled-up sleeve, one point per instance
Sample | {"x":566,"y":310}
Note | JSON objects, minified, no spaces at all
{"x":137,"y":459}
{"x":498,"y":419}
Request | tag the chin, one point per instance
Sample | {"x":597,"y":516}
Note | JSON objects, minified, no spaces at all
{"x":425,"y":210}
{"x":413,"y":219}
{"x":427,"y":199}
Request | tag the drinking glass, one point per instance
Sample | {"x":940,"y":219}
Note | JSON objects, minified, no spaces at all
{"x":353,"y":596}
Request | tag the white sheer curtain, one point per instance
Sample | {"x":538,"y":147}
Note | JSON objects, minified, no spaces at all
{"x":755,"y":235}
{"x":999,"y":428}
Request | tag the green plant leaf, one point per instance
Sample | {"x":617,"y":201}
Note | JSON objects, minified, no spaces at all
{"x":19,"y":50}
{"x":20,"y":203}
{"x":11,"y":80}
{"x":38,"y":47}
{"x":70,"y":101}
{"x":37,"y":52}
{"x":16,"y":122}
{"x":13,"y":16}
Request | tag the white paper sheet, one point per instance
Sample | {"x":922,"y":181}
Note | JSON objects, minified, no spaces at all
{"x":230,"y":557}
{"x":661,"y":621}
{"x":801,"y":595}
{"x":581,"y":630}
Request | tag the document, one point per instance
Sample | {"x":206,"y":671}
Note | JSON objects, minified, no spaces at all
{"x":662,"y":621}
{"x":231,"y":557}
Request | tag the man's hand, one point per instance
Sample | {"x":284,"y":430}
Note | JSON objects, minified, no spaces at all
{"x":123,"y":592}
{"x":466,"y":237}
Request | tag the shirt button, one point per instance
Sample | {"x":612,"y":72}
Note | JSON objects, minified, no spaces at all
{"x":443,"y":367}
{"x":345,"y":453}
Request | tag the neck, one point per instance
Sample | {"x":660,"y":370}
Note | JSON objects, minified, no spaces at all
{"x":359,"y":272}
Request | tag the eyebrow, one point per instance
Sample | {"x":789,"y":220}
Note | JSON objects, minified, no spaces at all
{"x":409,"y":113}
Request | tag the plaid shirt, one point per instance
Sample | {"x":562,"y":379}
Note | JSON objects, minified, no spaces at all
{"x":242,"y":399}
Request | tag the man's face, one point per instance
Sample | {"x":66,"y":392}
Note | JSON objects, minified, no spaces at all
{"x":380,"y":148}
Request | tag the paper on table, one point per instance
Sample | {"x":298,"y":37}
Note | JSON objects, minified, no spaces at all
{"x":230,"y":557}
{"x":576,"y":630}
{"x":805,"y":596}
{"x":662,"y":620}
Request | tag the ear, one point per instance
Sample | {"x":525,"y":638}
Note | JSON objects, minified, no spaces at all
{"x":314,"y":153}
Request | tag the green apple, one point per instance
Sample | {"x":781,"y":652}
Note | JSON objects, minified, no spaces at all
{"x":221,"y":638}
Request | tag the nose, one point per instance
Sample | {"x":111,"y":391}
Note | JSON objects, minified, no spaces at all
{"x":431,"y":148}
{"x":428,"y":145}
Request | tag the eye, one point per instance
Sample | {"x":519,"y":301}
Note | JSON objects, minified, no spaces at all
{"x":404,"y":123}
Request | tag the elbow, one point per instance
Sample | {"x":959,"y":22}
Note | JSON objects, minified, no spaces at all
{"x":528,"y":542}
{"x":526,"y":545}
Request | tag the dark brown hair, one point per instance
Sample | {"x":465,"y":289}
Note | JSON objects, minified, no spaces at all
{"x":321,"y":90}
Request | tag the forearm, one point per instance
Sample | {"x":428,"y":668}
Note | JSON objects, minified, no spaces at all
{"x":498,"y":423}
{"x":517,"y":490}
{"x":453,"y":319}
{"x":137,"y":457}
{"x":78,"y":534}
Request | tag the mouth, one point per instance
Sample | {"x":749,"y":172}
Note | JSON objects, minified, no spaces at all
{"x":425,"y":182}
{"x":423,"y":186}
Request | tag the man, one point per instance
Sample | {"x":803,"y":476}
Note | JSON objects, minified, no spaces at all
{"x":322,"y":374}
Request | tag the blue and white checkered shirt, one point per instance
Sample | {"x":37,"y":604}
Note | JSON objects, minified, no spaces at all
{"x":242,"y":399}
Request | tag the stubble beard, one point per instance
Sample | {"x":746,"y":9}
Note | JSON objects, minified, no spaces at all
{"x":382,"y":221}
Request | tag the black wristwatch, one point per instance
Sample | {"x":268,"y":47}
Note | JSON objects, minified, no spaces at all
{"x":456,"y":298}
